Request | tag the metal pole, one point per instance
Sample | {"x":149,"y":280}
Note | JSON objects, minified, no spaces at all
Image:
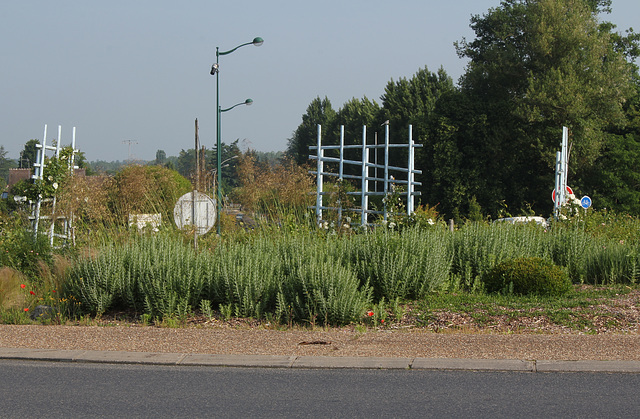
{"x":320,"y":168}
{"x":410,"y":174}
{"x":194,"y":205}
{"x":218,"y":146}
{"x":340,"y":173}
{"x":558,"y":183}
{"x":364,"y":200}
{"x":386,"y":167}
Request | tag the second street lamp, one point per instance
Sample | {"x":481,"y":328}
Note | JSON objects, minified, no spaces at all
{"x":247,"y":102}
{"x":215,"y":70}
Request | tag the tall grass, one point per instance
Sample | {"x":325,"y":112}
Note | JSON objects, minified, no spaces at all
{"x":478,"y":247}
{"x":309,"y":276}
{"x":407,"y":265}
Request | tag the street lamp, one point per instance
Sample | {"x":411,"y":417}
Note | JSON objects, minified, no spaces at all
{"x":215,"y":70}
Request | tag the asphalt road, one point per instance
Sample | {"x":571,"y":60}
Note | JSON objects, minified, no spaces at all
{"x":60,"y":389}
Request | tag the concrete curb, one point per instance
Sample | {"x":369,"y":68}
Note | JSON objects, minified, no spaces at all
{"x":276,"y":361}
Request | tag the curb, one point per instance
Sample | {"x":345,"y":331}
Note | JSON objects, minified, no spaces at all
{"x":325,"y":362}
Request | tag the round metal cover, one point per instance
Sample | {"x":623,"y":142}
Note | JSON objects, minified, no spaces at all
{"x":203,"y":212}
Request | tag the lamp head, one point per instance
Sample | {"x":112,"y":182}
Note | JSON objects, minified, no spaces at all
{"x":248,"y":102}
{"x":258,"y":41}
{"x":214,"y":69}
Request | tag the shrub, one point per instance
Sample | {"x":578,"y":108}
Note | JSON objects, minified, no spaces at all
{"x":146,"y":189}
{"x":528,"y":275}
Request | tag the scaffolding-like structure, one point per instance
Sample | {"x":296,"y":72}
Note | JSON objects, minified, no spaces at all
{"x":44,"y":209}
{"x":403,"y":175}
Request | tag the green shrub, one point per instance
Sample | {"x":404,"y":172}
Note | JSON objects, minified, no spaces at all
{"x":528,"y":275}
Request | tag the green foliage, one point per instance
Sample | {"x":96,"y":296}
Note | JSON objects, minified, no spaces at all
{"x":527,"y":275}
{"x":144,"y":190}
{"x":534,"y":67}
{"x":407,"y":264}
{"x":320,"y":112}
{"x":479,"y":247}
{"x":20,"y":249}
{"x":29,"y":153}
{"x":5,"y":165}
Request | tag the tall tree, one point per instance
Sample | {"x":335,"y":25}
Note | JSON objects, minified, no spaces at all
{"x":5,"y":165}
{"x":535,"y":66}
{"x":319,"y":112}
{"x":411,"y":101}
{"x":161,"y":157}
{"x":29,"y":154}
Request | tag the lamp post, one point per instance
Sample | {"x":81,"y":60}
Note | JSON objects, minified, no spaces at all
{"x":215,"y":70}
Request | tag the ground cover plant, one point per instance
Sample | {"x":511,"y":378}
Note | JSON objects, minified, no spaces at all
{"x":287,"y":269}
{"x":312,"y":277}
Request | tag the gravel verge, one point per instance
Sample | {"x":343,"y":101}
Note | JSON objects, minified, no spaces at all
{"x":332,"y":342}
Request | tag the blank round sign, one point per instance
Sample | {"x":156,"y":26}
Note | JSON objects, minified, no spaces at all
{"x":202,"y":214}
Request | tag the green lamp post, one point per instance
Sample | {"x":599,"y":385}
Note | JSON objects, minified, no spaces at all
{"x":215,"y":70}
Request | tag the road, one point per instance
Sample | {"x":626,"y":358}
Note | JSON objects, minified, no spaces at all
{"x":58,"y":389}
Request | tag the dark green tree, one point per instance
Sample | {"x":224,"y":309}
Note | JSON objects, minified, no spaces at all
{"x":536,"y":65}
{"x":229,"y":159}
{"x":319,"y":112}
{"x":29,"y":154}
{"x":5,"y":165}
{"x":411,"y":101}
{"x":161,"y":157}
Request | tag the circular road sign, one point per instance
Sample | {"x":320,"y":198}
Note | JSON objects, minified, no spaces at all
{"x":553,"y":193}
{"x":585,"y":202}
{"x":202,"y":214}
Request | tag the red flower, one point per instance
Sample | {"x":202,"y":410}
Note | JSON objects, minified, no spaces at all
{"x":369,"y":313}
{"x":381,"y":320}
{"x":32,"y":293}
{"x":53,"y":290}
{"x":23,"y":286}
{"x":26,"y":309}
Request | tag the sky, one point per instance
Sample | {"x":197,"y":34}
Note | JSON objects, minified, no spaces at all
{"x":133,"y":76}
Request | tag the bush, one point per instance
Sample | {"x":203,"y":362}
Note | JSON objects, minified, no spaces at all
{"x":528,"y":275}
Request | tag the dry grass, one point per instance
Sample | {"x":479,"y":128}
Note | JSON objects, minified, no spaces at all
{"x":12,"y":296}
{"x":281,"y":187}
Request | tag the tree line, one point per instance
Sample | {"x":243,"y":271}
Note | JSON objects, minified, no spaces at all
{"x":534,"y":66}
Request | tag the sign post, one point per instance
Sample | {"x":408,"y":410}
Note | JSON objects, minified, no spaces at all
{"x":585,"y":203}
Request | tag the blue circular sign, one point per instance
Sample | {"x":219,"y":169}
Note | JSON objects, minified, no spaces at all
{"x":585,"y":202}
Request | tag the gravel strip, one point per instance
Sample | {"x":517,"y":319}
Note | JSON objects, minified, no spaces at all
{"x":339,"y":342}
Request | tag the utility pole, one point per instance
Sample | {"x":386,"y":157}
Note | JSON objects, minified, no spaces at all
{"x":130,"y":142}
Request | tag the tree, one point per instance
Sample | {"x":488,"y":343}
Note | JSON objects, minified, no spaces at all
{"x":29,"y":154}
{"x":161,"y":157}
{"x":535,"y":66}
{"x":411,"y":101}
{"x":319,"y":112}
{"x":229,"y":159}
{"x":5,"y":165}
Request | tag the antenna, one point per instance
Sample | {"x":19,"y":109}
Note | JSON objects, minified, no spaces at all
{"x":130,"y":142}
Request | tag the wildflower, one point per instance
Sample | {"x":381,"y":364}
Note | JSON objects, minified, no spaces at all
{"x":32,"y":293}
{"x":369,"y":313}
{"x":23,"y":286}
{"x":381,"y":320}
{"x":26,"y":309}
{"x":53,"y":290}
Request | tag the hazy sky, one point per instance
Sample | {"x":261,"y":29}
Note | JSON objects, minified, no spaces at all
{"x":138,"y":70}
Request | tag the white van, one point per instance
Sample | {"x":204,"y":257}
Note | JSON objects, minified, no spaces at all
{"x":529,"y":219}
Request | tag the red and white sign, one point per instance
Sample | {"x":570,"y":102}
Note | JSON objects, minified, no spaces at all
{"x":553,"y":194}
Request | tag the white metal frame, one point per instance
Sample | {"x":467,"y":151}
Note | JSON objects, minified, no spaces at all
{"x":39,"y":170}
{"x":562,"y":167}
{"x":408,"y":172}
